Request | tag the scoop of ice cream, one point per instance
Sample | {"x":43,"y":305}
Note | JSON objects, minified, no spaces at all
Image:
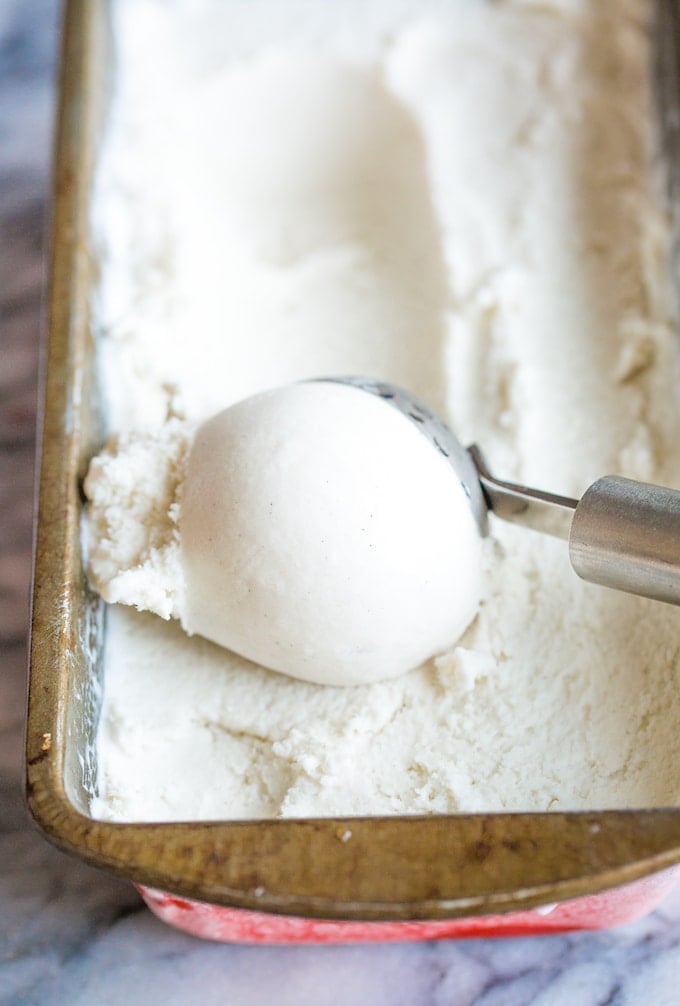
{"x":318,"y":533}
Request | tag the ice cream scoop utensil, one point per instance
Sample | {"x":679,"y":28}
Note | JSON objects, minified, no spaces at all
{"x":622,"y":533}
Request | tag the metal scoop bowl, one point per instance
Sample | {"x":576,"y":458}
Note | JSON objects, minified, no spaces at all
{"x":622,"y":534}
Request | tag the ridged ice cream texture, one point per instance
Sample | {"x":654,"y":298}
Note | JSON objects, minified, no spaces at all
{"x":461,"y":198}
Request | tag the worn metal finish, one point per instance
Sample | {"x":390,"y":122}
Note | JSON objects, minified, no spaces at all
{"x":391,"y":868}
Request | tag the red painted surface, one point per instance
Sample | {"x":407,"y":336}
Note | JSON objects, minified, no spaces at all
{"x":238,"y":925}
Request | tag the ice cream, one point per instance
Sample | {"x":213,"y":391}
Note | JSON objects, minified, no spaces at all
{"x":313,"y":529}
{"x":463,"y":199}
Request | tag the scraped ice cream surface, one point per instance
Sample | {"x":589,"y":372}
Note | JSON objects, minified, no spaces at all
{"x":313,"y":529}
{"x":463,"y":199}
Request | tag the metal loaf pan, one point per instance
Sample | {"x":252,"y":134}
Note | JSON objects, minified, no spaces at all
{"x":416,"y":868}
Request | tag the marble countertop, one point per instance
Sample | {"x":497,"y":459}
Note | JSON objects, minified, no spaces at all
{"x":70,"y":935}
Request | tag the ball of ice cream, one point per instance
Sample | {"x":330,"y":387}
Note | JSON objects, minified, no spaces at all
{"x":312,"y":529}
{"x":323,"y":536}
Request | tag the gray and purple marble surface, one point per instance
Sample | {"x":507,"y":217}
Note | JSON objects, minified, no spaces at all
{"x":70,"y":935}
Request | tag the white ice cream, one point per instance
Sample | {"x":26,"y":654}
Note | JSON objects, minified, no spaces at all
{"x":313,"y":529}
{"x":457,"y":197}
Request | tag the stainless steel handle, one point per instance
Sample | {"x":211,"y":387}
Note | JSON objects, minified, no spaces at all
{"x":545,"y":512}
{"x":626,"y":535}
{"x":622,"y":534}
